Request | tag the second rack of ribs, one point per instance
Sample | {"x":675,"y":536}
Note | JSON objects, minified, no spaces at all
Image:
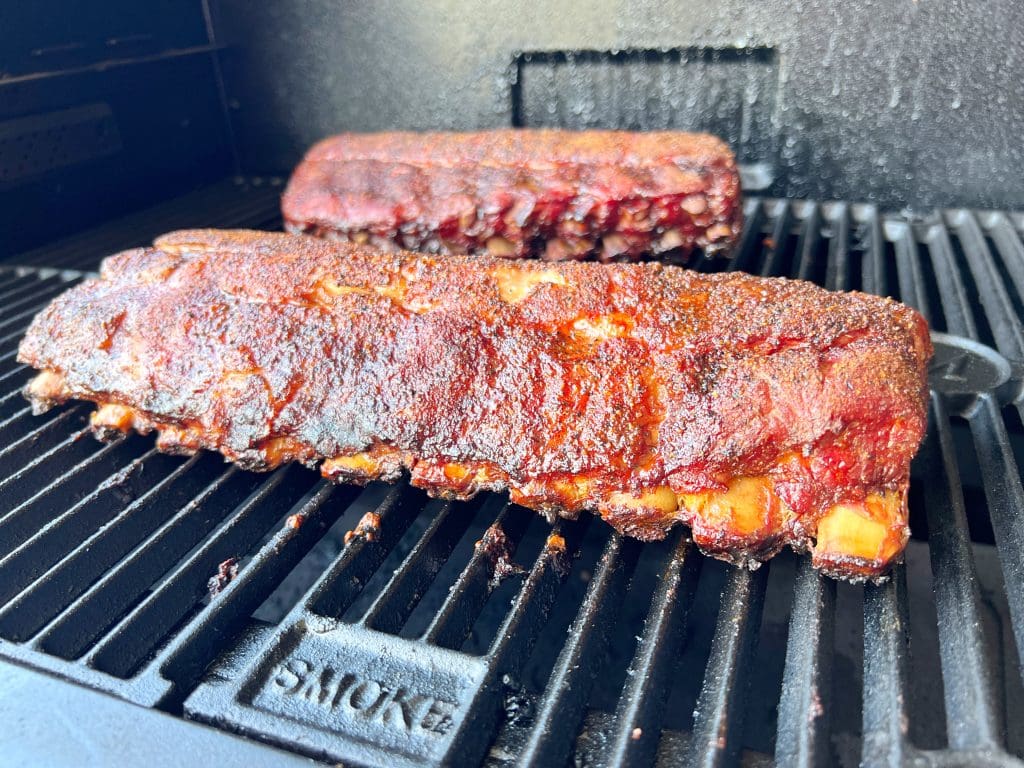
{"x":562,"y":195}
{"x":760,"y":412}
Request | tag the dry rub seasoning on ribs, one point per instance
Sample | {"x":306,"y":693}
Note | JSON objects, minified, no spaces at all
{"x":759,"y":412}
{"x":556,"y":194}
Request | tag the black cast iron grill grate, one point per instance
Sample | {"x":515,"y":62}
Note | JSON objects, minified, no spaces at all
{"x":403,"y":648}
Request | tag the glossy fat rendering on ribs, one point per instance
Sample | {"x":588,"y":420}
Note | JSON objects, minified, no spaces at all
{"x":758,"y":411}
{"x":613,"y":195}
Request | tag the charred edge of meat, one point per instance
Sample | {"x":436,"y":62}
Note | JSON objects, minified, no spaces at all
{"x":499,"y":551}
{"x":226,"y":573}
{"x":561,"y":560}
{"x":368,"y":528}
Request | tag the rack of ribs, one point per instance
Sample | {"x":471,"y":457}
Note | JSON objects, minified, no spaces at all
{"x":514,"y":193}
{"x":759,"y":412}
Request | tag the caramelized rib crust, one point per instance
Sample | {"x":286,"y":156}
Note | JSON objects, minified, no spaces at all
{"x":513,"y":193}
{"x":760,"y":412}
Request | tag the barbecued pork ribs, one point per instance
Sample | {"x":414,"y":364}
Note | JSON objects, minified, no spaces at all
{"x":760,"y":412}
{"x":557,"y":194}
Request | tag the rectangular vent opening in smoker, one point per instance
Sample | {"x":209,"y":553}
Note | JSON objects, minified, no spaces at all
{"x":729,"y":92}
{"x":33,"y":145}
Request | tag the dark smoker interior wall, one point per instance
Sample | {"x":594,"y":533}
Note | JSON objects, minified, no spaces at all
{"x":914,"y":102}
{"x":105,"y":108}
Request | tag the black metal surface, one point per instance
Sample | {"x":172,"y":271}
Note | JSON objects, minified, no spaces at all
{"x":401,"y":648}
{"x":104,"y":108}
{"x":47,"y":714}
{"x":240,"y":201}
{"x":48,"y":35}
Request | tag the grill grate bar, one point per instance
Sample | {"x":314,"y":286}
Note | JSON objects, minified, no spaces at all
{"x":807,"y":243}
{"x":19,"y":321}
{"x":8,"y":360}
{"x":13,"y":338}
{"x":52,"y":433}
{"x":911,"y":279}
{"x":90,"y":614}
{"x":9,"y":356}
{"x":187,"y":654}
{"x":14,"y":398}
{"x":805,"y":704}
{"x":776,"y":247}
{"x":143,"y":627}
{"x":461,"y":607}
{"x":10,"y":275}
{"x":28,"y":305}
{"x":407,"y":585}
{"x":636,"y":728}
{"x":22,"y":422}
{"x":562,"y":707}
{"x":36,"y":294}
{"x":718,"y":718}
{"x":1009,"y":247}
{"x":1001,"y":478}
{"x":331,"y":595}
{"x":17,"y":376}
{"x":51,"y":463}
{"x":24,"y":371}
{"x":955,"y":305}
{"x":971,"y":719}
{"x":13,"y":284}
{"x":749,"y":247}
{"x":998,"y":306}
{"x":885,"y":671}
{"x":533,"y":602}
{"x":33,"y":287}
{"x":873,"y":278}
{"x":837,"y":271}
{"x":41,"y":602}
{"x":37,"y":540}
{"x":12,"y":406}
